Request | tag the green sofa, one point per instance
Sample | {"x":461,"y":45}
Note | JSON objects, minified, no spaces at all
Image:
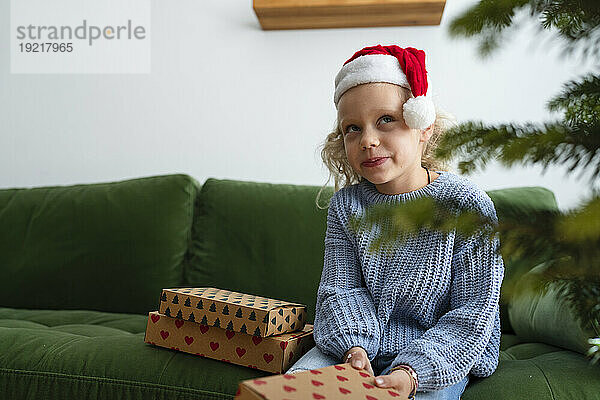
{"x":81,"y":266}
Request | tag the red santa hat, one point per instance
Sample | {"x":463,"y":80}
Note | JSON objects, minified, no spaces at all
{"x":392,"y":64}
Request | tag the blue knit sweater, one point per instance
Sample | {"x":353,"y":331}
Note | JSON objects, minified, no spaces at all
{"x":432,"y":302}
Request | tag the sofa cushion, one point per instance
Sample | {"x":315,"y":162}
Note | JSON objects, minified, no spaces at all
{"x":260,"y":238}
{"x":537,"y":371}
{"x":544,"y":316}
{"x":103,"y":246}
{"x":66,"y":354}
{"x":519,"y":205}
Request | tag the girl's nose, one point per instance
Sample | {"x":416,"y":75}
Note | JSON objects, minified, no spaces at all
{"x":369,"y":140}
{"x":369,"y":137}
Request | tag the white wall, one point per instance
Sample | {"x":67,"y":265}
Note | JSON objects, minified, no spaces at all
{"x":228,"y":100}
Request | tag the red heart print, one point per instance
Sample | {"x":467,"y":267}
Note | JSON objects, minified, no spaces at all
{"x":339,"y":368}
{"x":393,"y":394}
{"x":164,"y":334}
{"x":318,"y":396}
{"x":203,"y":328}
{"x":189,"y":339}
{"x":178,"y":323}
{"x":363,"y":374}
{"x":229,"y":334}
{"x":155,"y":318}
{"x":259,"y":382}
{"x":342,"y":378}
{"x":368,"y":386}
{"x":289,"y":376}
{"x":214,"y":345}
{"x":240,"y":352}
{"x":344,"y":390}
{"x":316,"y":383}
{"x":268,"y":357}
{"x":283,"y":345}
{"x":288,"y":388}
{"x":314,"y":371}
{"x":256,"y":339}
{"x":371,"y":398}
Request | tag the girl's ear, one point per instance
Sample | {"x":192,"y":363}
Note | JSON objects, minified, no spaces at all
{"x":426,"y":133}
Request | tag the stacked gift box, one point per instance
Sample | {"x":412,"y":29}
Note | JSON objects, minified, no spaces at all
{"x":243,"y":329}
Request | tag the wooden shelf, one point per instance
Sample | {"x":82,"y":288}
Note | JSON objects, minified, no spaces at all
{"x":319,"y":14}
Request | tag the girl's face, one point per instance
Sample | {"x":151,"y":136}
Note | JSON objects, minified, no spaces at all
{"x":371,"y":121}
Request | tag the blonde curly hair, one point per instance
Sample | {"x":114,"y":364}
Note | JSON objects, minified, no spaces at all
{"x":333,"y":151}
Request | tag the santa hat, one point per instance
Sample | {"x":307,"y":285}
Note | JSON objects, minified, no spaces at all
{"x":392,"y":64}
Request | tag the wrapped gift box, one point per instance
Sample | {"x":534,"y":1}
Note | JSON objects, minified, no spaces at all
{"x":274,"y":354}
{"x":340,"y":381}
{"x":239,"y":312}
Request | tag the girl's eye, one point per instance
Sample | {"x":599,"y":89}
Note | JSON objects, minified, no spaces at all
{"x":385,"y":116}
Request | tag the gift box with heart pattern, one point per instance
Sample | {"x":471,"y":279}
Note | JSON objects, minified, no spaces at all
{"x":340,"y":381}
{"x":274,"y":354}
{"x":239,"y":312}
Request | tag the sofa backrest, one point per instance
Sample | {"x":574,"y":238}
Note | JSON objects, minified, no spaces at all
{"x":520,"y":205}
{"x":113,"y":246}
{"x":105,"y":246}
{"x":268,"y":239}
{"x":260,"y":238}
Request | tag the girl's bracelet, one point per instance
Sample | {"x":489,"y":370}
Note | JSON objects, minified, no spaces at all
{"x":413,"y":374}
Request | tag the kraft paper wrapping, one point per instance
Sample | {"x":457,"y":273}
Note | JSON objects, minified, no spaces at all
{"x":340,"y":381}
{"x":240,"y":312}
{"x":274,"y":354}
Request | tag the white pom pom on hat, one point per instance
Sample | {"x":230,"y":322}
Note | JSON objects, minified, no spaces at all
{"x":391,"y":64}
{"x":419,"y":112}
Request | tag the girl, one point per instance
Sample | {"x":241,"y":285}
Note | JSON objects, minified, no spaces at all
{"x":425,"y":316}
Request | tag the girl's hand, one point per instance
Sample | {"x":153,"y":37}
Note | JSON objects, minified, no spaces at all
{"x":398,"y":380}
{"x":358,"y":358}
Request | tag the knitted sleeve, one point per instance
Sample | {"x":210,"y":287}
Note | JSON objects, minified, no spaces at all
{"x":345,"y":313}
{"x":446,"y":352}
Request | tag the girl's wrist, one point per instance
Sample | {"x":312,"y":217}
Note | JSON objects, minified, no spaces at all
{"x":412,"y":376}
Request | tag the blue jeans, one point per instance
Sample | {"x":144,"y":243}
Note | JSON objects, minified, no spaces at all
{"x":314,"y":359}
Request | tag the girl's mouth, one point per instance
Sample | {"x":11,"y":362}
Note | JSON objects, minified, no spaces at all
{"x":374,"y":163}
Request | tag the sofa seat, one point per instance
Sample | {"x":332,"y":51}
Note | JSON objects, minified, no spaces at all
{"x":63,"y":352}
{"x":537,"y":371}
{"x":104,"y":355}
